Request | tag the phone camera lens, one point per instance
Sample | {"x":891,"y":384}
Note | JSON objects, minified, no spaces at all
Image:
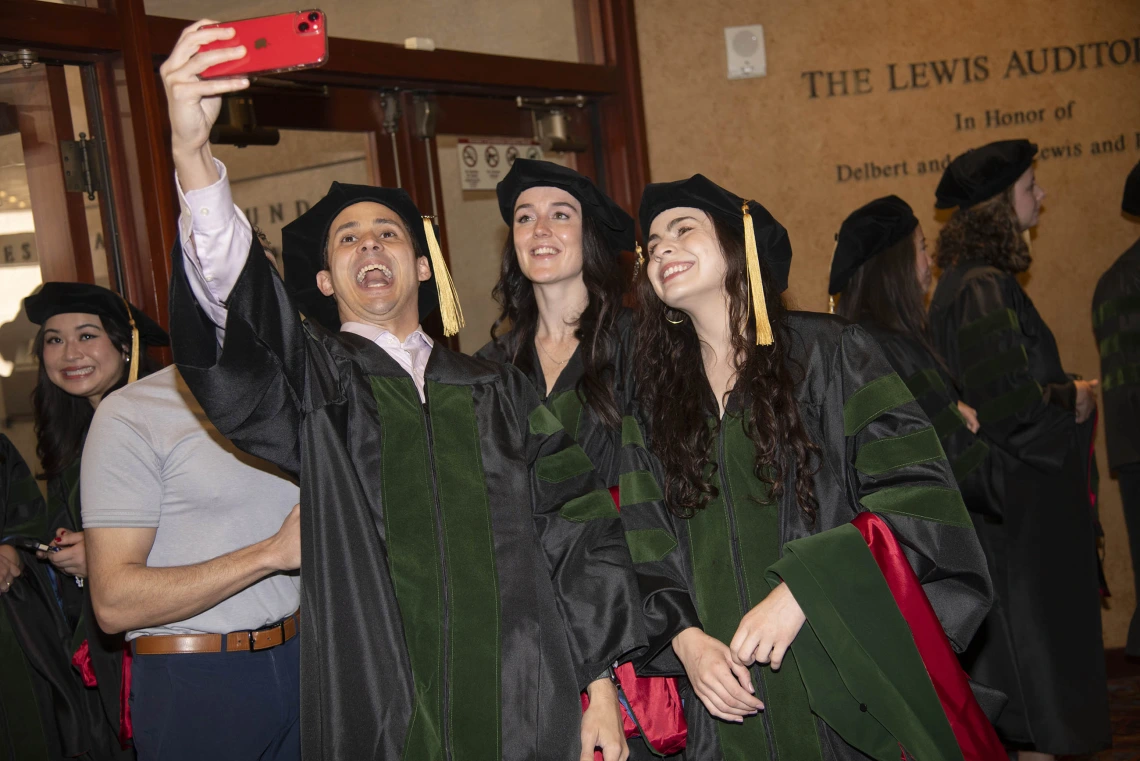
{"x":303,"y":26}
{"x":314,"y":17}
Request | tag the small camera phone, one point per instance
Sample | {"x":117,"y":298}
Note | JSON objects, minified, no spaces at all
{"x":273,"y":44}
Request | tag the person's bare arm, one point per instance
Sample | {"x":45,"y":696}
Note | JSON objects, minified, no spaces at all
{"x":127,"y":594}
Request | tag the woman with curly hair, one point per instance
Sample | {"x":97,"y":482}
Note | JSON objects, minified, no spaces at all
{"x":792,"y":457}
{"x":1043,"y":546}
{"x":564,"y":326}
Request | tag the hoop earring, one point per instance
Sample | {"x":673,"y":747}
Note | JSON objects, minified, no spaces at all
{"x":674,"y":322}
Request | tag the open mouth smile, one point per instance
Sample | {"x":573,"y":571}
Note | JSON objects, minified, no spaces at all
{"x":374,"y":275}
{"x":675,"y":269}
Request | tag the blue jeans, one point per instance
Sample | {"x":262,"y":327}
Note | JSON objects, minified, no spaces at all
{"x":218,"y":706}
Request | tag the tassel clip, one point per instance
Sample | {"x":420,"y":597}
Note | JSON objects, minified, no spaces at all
{"x":755,"y":284}
{"x":449,"y":308}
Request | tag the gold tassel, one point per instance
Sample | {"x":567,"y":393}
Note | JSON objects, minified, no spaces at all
{"x":449,"y":308}
{"x":831,"y":305}
{"x":640,"y":261}
{"x":755,"y":285}
{"x":133,"y":374}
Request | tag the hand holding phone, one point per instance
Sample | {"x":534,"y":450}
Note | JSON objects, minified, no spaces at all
{"x":273,"y":44}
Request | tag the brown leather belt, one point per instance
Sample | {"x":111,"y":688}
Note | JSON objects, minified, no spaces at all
{"x":262,"y":639}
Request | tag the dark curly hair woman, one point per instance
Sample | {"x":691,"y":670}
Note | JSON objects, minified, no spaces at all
{"x":778,"y":432}
{"x":564,"y":326}
{"x":90,"y":343}
{"x":993,"y":339}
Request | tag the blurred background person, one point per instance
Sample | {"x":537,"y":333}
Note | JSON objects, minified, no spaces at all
{"x":1116,"y":322}
{"x":987,"y":329}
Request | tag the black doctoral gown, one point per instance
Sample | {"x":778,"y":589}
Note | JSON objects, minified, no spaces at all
{"x":464,"y":573}
{"x":45,"y":710}
{"x":977,"y":468}
{"x":853,"y":685}
{"x":621,"y":460}
{"x":1116,"y":322}
{"x":993,"y":339}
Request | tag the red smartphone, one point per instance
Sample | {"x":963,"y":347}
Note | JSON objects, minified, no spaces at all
{"x":273,"y":44}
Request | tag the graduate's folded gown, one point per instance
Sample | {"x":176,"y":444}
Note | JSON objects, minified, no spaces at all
{"x":464,"y":571}
{"x":46,"y":711}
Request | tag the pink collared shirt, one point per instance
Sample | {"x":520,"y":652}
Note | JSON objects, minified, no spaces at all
{"x":215,"y":239}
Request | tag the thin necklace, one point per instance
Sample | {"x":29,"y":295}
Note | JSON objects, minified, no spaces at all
{"x":549,"y":355}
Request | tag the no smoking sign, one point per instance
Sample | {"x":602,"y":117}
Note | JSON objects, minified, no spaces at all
{"x":483,"y":162}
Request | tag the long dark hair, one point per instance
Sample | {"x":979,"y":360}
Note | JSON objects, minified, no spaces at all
{"x":675,"y":392}
{"x":61,"y":419}
{"x":989,"y":232}
{"x":596,"y":331}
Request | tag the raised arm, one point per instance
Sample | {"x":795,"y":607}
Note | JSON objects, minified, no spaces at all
{"x":259,"y":385}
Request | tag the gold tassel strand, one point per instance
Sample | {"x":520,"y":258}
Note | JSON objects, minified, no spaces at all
{"x":830,"y":267}
{"x":755,"y":284}
{"x":449,"y":308}
{"x":640,"y":262}
{"x":133,"y":374}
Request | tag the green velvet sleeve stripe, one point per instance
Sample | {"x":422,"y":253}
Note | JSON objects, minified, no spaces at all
{"x":631,"y":432}
{"x":881,"y":455}
{"x":560,"y":466}
{"x":968,"y":461}
{"x":996,"y":322}
{"x":1124,"y":341}
{"x":931,"y":503}
{"x":925,"y":381}
{"x":1125,"y":375}
{"x":992,"y":368}
{"x":1110,"y":309}
{"x":948,"y":420}
{"x":588,"y":507}
{"x":637,"y":487}
{"x":543,"y":422}
{"x":1009,"y":404}
{"x":649,"y":544}
{"x":872,"y":400}
{"x":567,"y":407}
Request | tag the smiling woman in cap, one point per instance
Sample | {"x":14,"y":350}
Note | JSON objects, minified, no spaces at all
{"x":561,"y":289}
{"x":778,"y":431}
{"x":91,"y":342}
{"x":994,"y":340}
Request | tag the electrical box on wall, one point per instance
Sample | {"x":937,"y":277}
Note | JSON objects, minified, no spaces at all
{"x":745,"y":48}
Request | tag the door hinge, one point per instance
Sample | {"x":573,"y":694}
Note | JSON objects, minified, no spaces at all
{"x":81,"y":172}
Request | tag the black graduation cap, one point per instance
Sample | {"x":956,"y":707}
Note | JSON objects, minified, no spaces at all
{"x":528,"y":173}
{"x":868,"y":231}
{"x":981,"y":173}
{"x":303,"y":244}
{"x":763,"y":235}
{"x":62,"y":298}
{"x":1131,"y":202}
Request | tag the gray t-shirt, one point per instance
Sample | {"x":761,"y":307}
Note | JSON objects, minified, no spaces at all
{"x":153,"y":460}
